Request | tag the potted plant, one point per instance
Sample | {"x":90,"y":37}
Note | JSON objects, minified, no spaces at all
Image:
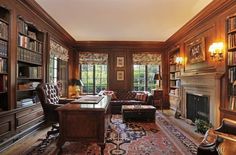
{"x":202,"y":126}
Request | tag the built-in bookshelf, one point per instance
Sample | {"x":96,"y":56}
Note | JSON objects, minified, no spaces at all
{"x":174,"y":81}
{"x":231,"y":44}
{"x":29,"y":65}
{"x":4,"y":32}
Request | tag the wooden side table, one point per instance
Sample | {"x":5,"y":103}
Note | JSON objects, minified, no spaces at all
{"x":157,"y":98}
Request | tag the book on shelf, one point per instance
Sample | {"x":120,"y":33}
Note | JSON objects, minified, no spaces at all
{"x":232,"y":103}
{"x":22,"y":26}
{"x":32,"y":35}
{"x":172,"y":68}
{"x":3,"y":48}
{"x":3,"y":30}
{"x":3,"y":65}
{"x":232,"y":23}
{"x":232,"y":74}
{"x":3,"y":83}
{"x":232,"y":40}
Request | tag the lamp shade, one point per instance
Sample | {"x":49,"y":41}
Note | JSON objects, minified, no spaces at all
{"x":157,"y":77}
{"x":77,"y":82}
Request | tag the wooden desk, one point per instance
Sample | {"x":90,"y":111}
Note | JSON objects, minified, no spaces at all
{"x":84,"y":122}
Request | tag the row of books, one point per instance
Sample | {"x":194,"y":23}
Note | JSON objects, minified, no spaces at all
{"x":232,"y":41}
{"x":232,"y":75}
{"x":232,"y":102}
{"x":174,"y":68}
{"x":175,"y":92}
{"x":3,"y":30}
{"x":232,"y":23}
{"x":27,"y":85}
{"x":29,"y":56}
{"x":22,"y":27}
{"x":3,"y":48}
{"x":26,"y":42}
{"x":30,"y":72}
{"x":3,"y":65}
{"x":3,"y":83}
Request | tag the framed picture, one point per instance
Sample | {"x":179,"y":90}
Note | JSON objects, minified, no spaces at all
{"x":120,"y":61}
{"x":120,"y":75}
{"x":195,"y":51}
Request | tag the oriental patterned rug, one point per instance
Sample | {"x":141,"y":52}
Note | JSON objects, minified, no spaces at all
{"x":123,"y":138}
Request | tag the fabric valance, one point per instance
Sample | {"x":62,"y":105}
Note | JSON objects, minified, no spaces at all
{"x":146,"y":59}
{"x":56,"y":50}
{"x":93,"y":58}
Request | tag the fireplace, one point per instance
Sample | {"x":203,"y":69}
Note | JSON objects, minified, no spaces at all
{"x":197,"y":107}
{"x":206,"y":85}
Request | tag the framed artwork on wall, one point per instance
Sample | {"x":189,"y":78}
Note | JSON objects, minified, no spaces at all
{"x":195,"y":51}
{"x":120,"y":75}
{"x":120,"y":61}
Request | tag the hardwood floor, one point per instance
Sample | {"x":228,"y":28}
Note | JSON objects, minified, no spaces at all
{"x":24,"y":144}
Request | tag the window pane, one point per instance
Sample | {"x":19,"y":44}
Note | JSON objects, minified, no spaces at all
{"x":87,"y":78}
{"x":100,"y":78}
{"x":151,"y":71}
{"x":139,"y":77}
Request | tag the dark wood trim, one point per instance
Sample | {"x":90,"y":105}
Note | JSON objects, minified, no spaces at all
{"x":40,"y":13}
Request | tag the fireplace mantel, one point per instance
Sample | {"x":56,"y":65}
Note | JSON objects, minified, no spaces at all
{"x":203,"y":84}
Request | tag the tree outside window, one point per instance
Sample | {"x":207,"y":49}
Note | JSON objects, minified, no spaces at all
{"x":94,"y":78}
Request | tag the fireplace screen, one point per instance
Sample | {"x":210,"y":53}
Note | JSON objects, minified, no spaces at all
{"x":197,"y":107}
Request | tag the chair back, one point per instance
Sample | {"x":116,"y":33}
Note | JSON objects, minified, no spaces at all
{"x":48,"y":95}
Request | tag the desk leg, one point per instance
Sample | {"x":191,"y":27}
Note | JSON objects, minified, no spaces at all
{"x":102,"y":146}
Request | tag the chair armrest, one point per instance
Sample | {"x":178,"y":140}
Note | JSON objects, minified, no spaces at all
{"x":228,"y":126}
{"x":65,"y":100}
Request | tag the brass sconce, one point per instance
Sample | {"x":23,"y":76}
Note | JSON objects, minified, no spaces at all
{"x":179,"y":60}
{"x":216,"y":50}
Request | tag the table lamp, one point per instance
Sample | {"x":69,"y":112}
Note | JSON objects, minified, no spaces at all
{"x":77,"y":85}
{"x":157,"y":77}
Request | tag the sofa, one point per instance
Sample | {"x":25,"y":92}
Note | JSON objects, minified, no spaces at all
{"x":123,"y":97}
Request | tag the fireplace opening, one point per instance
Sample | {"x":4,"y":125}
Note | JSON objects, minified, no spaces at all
{"x":197,"y":107}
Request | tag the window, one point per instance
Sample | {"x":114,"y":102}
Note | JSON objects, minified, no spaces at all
{"x":53,"y":70}
{"x":145,"y":66}
{"x":93,"y":71}
{"x":143,"y":77}
{"x":94,"y":78}
{"x":58,"y":66}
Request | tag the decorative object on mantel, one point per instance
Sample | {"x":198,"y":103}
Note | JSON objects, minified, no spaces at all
{"x":196,"y":51}
{"x":157,"y":77}
{"x":216,"y":50}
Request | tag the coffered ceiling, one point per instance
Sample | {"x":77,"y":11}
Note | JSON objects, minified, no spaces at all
{"x":122,"y":20}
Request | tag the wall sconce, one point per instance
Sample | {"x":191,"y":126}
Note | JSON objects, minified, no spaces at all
{"x":216,"y":50}
{"x":179,"y":60}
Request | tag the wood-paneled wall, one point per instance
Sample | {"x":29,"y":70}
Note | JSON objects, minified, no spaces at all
{"x":209,"y":24}
{"x":116,"y":49}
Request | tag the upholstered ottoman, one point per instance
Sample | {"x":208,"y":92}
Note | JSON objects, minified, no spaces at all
{"x":138,"y":112}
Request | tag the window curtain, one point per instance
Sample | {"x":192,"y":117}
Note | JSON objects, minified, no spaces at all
{"x":93,"y":58}
{"x":56,"y":50}
{"x":146,"y":59}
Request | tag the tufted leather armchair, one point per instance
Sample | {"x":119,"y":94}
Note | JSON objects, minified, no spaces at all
{"x":50,"y":100}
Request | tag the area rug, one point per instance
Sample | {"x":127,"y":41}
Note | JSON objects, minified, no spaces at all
{"x":123,"y":138}
{"x":170,"y":128}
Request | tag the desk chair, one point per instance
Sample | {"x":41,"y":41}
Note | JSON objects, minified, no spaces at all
{"x":49,"y":97}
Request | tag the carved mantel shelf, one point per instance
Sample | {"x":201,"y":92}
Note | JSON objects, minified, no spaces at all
{"x":217,"y":75}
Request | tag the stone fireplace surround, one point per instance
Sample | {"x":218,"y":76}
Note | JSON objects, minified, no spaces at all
{"x":202,"y":84}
